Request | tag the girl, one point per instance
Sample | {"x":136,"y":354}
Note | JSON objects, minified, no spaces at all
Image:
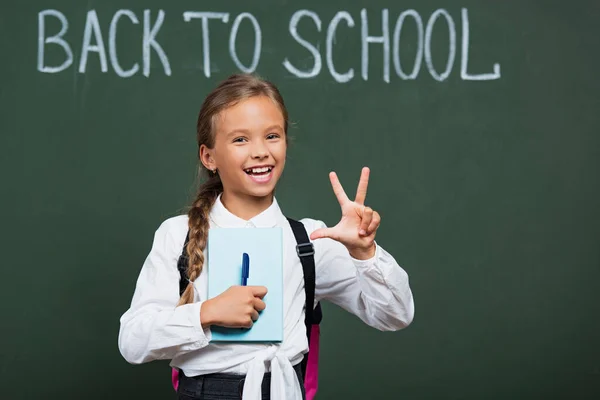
{"x":242,"y":143}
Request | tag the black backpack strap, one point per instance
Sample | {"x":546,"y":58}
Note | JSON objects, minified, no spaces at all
{"x":305,"y":251}
{"x":182,"y":266}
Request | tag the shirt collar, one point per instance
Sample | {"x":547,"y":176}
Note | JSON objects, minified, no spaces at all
{"x":223,"y":218}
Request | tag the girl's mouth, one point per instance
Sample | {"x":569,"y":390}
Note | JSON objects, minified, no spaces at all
{"x":259,"y":171}
{"x":260,"y":174}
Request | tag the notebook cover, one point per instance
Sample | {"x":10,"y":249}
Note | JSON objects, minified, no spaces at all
{"x":265,"y":249}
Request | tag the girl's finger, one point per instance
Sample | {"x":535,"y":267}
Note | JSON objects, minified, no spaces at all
{"x":324,"y":233}
{"x":338,"y":189}
{"x":361,"y":191}
{"x":374,"y":223}
{"x":367,"y":217}
{"x":259,"y":305}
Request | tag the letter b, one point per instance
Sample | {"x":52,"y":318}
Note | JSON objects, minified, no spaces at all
{"x":56,"y":39}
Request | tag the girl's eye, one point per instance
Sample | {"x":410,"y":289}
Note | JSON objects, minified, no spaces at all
{"x":239,"y":140}
{"x":272,"y":136}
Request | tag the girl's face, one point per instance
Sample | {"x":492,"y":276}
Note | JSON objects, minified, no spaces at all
{"x":250,"y":147}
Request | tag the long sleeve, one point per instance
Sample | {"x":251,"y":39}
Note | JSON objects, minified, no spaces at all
{"x":375,"y":290}
{"x":153,"y":327}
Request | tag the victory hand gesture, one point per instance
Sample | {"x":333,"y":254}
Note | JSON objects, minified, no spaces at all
{"x":356,"y":230}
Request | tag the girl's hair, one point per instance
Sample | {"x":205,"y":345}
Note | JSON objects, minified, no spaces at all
{"x":234,"y":89}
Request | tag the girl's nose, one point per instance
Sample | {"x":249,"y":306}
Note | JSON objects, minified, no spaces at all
{"x":259,"y":150}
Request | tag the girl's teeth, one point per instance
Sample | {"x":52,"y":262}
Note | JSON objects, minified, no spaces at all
{"x":260,"y":170}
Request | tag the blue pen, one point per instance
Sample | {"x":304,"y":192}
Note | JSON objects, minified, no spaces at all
{"x":245,"y":268}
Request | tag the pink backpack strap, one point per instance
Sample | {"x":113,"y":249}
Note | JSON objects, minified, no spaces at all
{"x":175,"y":378}
{"x":311,"y":379}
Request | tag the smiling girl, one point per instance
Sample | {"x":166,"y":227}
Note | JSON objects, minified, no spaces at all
{"x":242,"y":143}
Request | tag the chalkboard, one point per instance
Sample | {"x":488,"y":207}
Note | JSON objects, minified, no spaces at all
{"x":479,"y":121}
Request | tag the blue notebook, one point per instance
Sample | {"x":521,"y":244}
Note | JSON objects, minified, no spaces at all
{"x":264,"y":247}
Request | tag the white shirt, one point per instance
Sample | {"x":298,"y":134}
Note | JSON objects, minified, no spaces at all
{"x":376,"y":290}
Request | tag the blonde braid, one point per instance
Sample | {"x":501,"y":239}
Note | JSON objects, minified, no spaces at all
{"x":198,"y":223}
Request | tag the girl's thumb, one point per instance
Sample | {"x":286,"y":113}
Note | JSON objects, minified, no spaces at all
{"x":321,"y":233}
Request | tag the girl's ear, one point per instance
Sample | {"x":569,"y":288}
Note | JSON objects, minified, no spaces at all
{"x":206,"y":158}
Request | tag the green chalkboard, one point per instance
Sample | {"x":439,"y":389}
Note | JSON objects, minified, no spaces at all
{"x":480,"y":122}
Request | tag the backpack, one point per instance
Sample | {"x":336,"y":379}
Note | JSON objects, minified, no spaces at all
{"x":312,"y":319}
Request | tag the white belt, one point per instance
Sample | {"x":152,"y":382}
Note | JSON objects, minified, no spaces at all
{"x":284,"y":382}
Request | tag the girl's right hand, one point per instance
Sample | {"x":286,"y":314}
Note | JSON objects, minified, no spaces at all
{"x":237,"y":307}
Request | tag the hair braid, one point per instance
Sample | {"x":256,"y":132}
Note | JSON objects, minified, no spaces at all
{"x":198,"y":223}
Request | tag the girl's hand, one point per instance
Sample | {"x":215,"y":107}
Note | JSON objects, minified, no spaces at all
{"x":356,"y":230}
{"x":237,"y":307}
